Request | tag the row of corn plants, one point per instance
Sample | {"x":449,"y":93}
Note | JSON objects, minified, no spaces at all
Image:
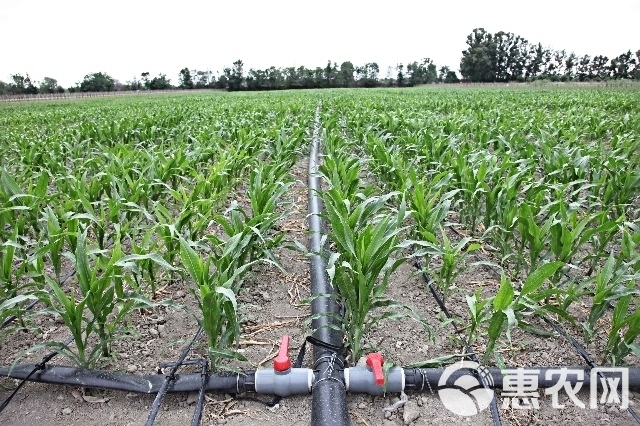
{"x":368,"y":234}
{"x":550,"y":188}
{"x":119,"y":196}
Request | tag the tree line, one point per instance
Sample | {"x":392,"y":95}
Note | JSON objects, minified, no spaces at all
{"x":498,"y":57}
{"x":506,"y":57}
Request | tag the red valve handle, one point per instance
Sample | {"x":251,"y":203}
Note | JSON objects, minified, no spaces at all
{"x":282,"y":361}
{"x":375,"y":361}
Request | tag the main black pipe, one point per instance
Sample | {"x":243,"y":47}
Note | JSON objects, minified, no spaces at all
{"x":417,"y":380}
{"x":427,"y":379}
{"x":329,"y":403}
{"x":224,"y":382}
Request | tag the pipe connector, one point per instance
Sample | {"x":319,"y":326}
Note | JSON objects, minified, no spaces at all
{"x":363,"y":380}
{"x":291,"y":382}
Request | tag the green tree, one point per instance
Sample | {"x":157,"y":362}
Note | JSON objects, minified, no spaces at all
{"x":145,"y":80}
{"x":97,"y":82}
{"x":569,"y":66}
{"x":622,"y":65}
{"x":477,"y":63}
{"x":534,"y":62}
{"x":400,"y":75}
{"x":443,"y":73}
{"x":48,"y":85}
{"x":22,"y":85}
{"x":430,"y":73}
{"x":345,"y":75}
{"x":235,"y":76}
{"x":185,"y":79}
{"x":370,"y":71}
{"x":636,"y":69}
{"x":331,"y":74}
{"x":161,"y":82}
{"x":584,"y":68}
{"x":451,"y":77}
{"x":4,"y":89}
{"x":599,"y":68}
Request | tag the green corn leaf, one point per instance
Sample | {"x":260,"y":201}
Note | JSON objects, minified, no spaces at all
{"x":505,"y":294}
{"x":127,"y":261}
{"x":82,"y":264}
{"x":539,"y":276}
{"x":192,"y":262}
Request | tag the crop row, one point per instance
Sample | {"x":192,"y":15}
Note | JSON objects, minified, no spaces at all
{"x":125,"y":195}
{"x":547,"y":183}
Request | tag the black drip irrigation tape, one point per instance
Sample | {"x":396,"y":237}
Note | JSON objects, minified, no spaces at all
{"x":38,"y":367}
{"x":329,"y":402}
{"x":170,"y":379}
{"x":495,"y":414}
{"x":584,"y":354}
{"x":197,"y":412}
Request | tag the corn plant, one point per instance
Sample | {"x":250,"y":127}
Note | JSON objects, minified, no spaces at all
{"x":611,"y":284}
{"x":511,"y":306}
{"x":430,"y":207}
{"x":102,"y":292}
{"x":366,"y":238}
{"x":625,"y":329}
{"x":217,"y":280}
{"x":452,"y":257}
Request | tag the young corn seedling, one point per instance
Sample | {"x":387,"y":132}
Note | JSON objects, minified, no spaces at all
{"x":513,"y":307}
{"x":217,"y":279}
{"x":366,"y":238}
{"x":429,"y":206}
{"x":452,"y":257}
{"x":534,"y":237}
{"x":102,"y":292}
{"x":625,"y":329}
{"x":610,"y":284}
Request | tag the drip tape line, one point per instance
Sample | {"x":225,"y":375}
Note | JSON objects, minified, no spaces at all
{"x":495,"y":414}
{"x":169,"y":378}
{"x":197,"y":412}
{"x":584,"y":354}
{"x":38,"y":367}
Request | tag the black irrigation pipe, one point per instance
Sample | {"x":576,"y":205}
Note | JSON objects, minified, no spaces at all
{"x":37,"y":367}
{"x":329,"y":403}
{"x":219,"y":382}
{"x":169,"y":379}
{"x":416,"y":379}
{"x":495,"y":414}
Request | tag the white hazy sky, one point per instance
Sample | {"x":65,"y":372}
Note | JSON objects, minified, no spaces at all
{"x":67,"y":39}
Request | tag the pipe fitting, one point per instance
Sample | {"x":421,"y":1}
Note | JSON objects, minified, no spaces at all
{"x":362,"y":380}
{"x":290,"y":382}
